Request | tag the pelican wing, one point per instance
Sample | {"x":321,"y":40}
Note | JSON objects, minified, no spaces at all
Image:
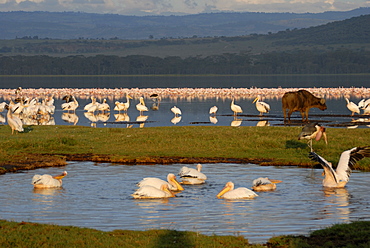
{"x":329,"y":171}
{"x":192,"y":173}
{"x":261,"y":181}
{"x":350,"y":158}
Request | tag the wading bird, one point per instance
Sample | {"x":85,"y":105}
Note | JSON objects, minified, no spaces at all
{"x":353,"y":107}
{"x":150,"y":192}
{"x":235,"y":108}
{"x":13,"y":121}
{"x":71,"y":105}
{"x":313,"y":131}
{"x":191,"y":175}
{"x":339,"y":178}
{"x":141,"y":106}
{"x":176,"y":111}
{"x":264,"y":184}
{"x":123,"y":106}
{"x":228,"y":192}
{"x":262,"y":107}
{"x":92,"y":106}
{"x":213,"y":110}
{"x":48,"y":181}
{"x":172,"y":183}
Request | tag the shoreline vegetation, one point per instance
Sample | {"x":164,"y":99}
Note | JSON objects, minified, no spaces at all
{"x":46,"y":146}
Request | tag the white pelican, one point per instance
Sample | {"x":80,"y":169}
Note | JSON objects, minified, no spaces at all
{"x":176,"y":111}
{"x":71,"y":105}
{"x":48,"y":181}
{"x":104,"y":106}
{"x":262,"y":107}
{"x":213,"y":110}
{"x":172,"y":183}
{"x":228,"y":192}
{"x":123,"y":106}
{"x":353,"y":107}
{"x":150,"y":192}
{"x":313,"y":131}
{"x":340,"y":177}
{"x":13,"y":121}
{"x":235,"y":108}
{"x":141,"y":106}
{"x":191,"y":175}
{"x":264,"y":184}
{"x":92,"y":106}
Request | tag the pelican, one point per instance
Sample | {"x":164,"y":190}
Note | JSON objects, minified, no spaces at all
{"x":228,"y":192}
{"x":141,"y":106}
{"x":172,"y":183}
{"x":92,"y":106}
{"x":123,"y":106}
{"x":236,"y":108}
{"x":353,"y":107}
{"x":262,"y":107}
{"x":313,"y":131}
{"x":150,"y":192}
{"x":339,"y":178}
{"x":48,"y":181}
{"x":13,"y":121}
{"x":192,"y":176}
{"x":104,"y":106}
{"x":176,"y":111}
{"x":264,"y":184}
{"x":71,"y":105}
{"x":213,"y":110}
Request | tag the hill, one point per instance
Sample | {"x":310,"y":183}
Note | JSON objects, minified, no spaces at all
{"x":76,"y":25}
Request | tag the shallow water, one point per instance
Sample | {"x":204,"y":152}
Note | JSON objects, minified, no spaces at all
{"x":97,"y":195}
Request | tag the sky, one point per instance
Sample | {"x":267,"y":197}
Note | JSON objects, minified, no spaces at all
{"x":181,"y":7}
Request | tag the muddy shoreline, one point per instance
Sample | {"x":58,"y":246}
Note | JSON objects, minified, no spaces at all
{"x":35,"y":161}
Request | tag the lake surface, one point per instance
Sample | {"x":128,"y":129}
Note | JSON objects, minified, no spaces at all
{"x":98,"y":195}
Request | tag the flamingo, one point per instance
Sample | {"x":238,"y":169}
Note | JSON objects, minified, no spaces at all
{"x":150,"y":192}
{"x":262,"y":107}
{"x":264,"y":184}
{"x":192,"y":176}
{"x":13,"y":121}
{"x":235,"y":108}
{"x":313,"y":131}
{"x":339,"y":178}
{"x":48,"y":181}
{"x":172,"y":183}
{"x":228,"y":192}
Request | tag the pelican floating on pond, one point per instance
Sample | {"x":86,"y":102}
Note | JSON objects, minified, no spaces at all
{"x":262,"y":107}
{"x":151,"y":192}
{"x":264,"y":184}
{"x":313,"y":131}
{"x":48,"y":181}
{"x":339,"y":178}
{"x":172,"y":183}
{"x":228,"y":192}
{"x":192,"y":176}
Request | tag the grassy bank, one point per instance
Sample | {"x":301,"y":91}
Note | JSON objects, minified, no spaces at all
{"x":263,"y":145}
{"x":25,"y":234}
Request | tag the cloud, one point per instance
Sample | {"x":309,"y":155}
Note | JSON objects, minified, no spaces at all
{"x":158,"y":7}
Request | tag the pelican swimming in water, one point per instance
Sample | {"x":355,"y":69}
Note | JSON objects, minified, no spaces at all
{"x":235,"y":108}
{"x":172,"y":183}
{"x":213,"y":110}
{"x":48,"y":181}
{"x":192,"y":176}
{"x":313,"y":131}
{"x":13,"y":121}
{"x":141,"y":106}
{"x":176,"y":111}
{"x":339,"y":178}
{"x":264,"y":184}
{"x":353,"y":107}
{"x":262,"y":107}
{"x":150,"y":192}
{"x":123,"y":106}
{"x":228,"y":192}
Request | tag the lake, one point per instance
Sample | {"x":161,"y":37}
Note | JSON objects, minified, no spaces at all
{"x":98,"y":195}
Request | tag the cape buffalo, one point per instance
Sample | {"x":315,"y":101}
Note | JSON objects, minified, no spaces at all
{"x":301,"y":101}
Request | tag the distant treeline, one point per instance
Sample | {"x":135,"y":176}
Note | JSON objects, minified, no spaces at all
{"x":295,"y":62}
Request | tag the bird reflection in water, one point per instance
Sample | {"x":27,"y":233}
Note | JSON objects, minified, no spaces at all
{"x":236,"y":122}
{"x":213,"y":119}
{"x":338,"y":197}
{"x":263,"y":124}
{"x":142,"y":119}
{"x":176,"y":120}
{"x":70,"y":118}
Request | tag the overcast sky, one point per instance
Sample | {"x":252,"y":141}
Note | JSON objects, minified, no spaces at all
{"x":177,"y":7}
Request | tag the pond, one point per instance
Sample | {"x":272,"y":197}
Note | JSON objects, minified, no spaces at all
{"x":98,"y":195}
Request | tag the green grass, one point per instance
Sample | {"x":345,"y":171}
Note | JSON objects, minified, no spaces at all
{"x":264,"y":145}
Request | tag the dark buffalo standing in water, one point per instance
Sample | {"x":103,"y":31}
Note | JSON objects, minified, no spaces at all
{"x":301,"y":101}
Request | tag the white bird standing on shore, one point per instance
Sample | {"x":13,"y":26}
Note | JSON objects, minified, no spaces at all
{"x":228,"y":192}
{"x":262,"y":107}
{"x":13,"y":121}
{"x":313,"y":131}
{"x":235,"y":108}
{"x":339,"y":178}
